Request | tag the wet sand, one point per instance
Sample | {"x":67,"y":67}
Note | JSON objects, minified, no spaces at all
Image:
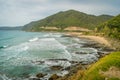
{"x":98,"y":39}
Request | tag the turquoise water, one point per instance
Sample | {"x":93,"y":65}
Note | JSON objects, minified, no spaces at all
{"x":21,"y":53}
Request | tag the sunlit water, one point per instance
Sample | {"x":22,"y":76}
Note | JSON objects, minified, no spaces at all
{"x":20,"y":53}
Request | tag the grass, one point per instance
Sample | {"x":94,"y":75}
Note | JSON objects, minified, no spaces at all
{"x":93,"y":72}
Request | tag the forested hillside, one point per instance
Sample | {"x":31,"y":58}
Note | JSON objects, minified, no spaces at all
{"x":111,"y":28}
{"x":64,"y":19}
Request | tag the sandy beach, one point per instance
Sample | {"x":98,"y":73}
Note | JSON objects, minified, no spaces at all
{"x":98,"y":39}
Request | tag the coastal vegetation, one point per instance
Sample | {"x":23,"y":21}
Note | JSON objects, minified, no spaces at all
{"x":107,"y":68}
{"x":111,"y":28}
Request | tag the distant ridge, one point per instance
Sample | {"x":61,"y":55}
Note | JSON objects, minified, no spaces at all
{"x":64,"y":19}
{"x":11,"y":28}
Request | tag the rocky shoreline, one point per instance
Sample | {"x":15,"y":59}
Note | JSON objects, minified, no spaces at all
{"x":102,"y":50}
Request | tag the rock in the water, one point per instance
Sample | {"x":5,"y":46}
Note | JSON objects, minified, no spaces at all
{"x":80,"y":53}
{"x":40,"y":75}
{"x":54,"y":77}
{"x":66,"y":36}
{"x":85,"y":63}
{"x":102,"y":53}
{"x":74,"y":62}
{"x":41,"y":62}
{"x":67,"y":68}
{"x":34,"y":79}
{"x":56,"y":67}
{"x":108,"y":49}
{"x":37,"y":62}
{"x":57,"y":59}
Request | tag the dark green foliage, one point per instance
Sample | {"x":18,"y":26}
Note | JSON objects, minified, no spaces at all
{"x":68,"y":18}
{"x":111,"y":28}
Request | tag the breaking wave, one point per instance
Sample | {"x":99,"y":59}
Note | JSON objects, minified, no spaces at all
{"x":34,"y":39}
{"x":1,"y":47}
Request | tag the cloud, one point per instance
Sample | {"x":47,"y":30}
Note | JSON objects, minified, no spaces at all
{"x":20,"y":12}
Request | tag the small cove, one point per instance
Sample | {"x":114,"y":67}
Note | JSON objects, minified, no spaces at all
{"x":25,"y":54}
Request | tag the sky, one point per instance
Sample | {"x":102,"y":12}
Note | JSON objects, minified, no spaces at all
{"x":21,"y":12}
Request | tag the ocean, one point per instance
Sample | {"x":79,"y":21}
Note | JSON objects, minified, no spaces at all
{"x":25,"y":54}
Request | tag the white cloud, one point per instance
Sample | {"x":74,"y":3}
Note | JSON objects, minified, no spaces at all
{"x":20,"y":12}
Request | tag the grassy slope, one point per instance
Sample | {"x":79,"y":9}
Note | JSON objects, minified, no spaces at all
{"x":103,"y":64}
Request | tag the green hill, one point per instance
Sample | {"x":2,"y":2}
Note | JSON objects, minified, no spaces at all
{"x":107,"y":68}
{"x":68,"y":18}
{"x":111,"y":28}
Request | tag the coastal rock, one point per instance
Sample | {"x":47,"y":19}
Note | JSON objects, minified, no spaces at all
{"x":93,"y":45}
{"x":80,"y":53}
{"x":37,"y":62}
{"x":88,"y":44}
{"x":40,"y":75}
{"x":102,"y":53}
{"x":56,"y":67}
{"x":66,"y":36}
{"x":67,"y":68}
{"x":84,"y":63}
{"x":54,"y":77}
{"x":34,"y":79}
{"x":41,"y":62}
{"x":74,"y":62}
{"x":57,"y":62}
{"x":57,"y":59}
{"x":107,"y":49}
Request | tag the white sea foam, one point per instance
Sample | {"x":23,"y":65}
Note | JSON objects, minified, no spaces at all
{"x":18,"y":48}
{"x":4,"y":77}
{"x":34,"y":39}
{"x":46,"y":35}
{"x":48,"y":39}
{"x":89,"y":56}
{"x":57,"y":62}
{"x":69,"y":56}
{"x":56,"y":35}
{"x":13,"y":52}
{"x":62,"y":73}
{"x":18,"y":53}
{"x":5,"y":46}
{"x":25,"y":48}
{"x":48,"y":44}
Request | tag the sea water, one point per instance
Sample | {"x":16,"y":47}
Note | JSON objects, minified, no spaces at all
{"x":21,"y":53}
